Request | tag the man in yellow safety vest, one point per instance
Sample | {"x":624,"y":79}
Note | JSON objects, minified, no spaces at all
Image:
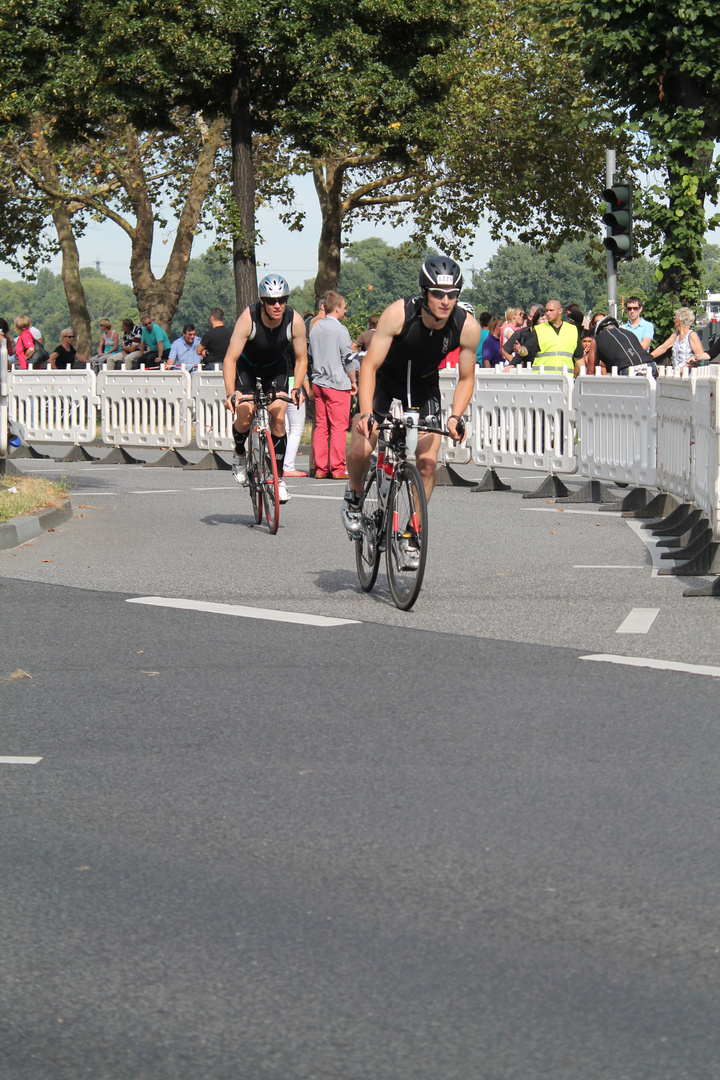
{"x":554,"y":344}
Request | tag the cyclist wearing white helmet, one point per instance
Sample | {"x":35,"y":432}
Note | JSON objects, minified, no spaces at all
{"x":266,"y":336}
{"x":412,"y":339}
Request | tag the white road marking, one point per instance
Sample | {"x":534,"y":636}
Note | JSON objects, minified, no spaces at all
{"x":608,"y":566}
{"x":241,"y":612}
{"x":19,"y":760}
{"x":638,"y":621}
{"x":297,"y":495}
{"x":562,"y":509}
{"x":659,"y":665}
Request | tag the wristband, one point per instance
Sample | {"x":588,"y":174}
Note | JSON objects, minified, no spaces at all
{"x":458,"y":418}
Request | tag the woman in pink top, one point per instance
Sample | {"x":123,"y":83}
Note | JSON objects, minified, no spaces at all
{"x":24,"y":341}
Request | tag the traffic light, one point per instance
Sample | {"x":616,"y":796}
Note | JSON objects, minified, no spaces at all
{"x":619,"y":218}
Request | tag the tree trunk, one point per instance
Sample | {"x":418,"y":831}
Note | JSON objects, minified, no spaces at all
{"x":74,"y":292}
{"x":328,"y":184}
{"x":243,"y":181}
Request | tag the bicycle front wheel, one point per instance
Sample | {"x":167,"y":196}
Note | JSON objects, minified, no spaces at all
{"x":269,"y":482}
{"x":367,"y":546}
{"x":253,"y":478}
{"x":406,"y":538}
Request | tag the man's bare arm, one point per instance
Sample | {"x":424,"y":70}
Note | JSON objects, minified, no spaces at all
{"x":240,"y":334}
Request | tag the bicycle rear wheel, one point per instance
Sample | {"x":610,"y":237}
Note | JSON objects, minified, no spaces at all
{"x":367,"y":546}
{"x":406,"y":540}
{"x":269,"y":482}
{"x":253,"y":478}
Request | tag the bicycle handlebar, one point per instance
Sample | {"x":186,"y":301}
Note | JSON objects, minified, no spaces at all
{"x":393,"y":423}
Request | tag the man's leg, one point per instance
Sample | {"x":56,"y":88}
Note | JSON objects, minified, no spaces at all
{"x":321,"y":433}
{"x":338,"y":410}
{"x":428,"y":448}
{"x":358,"y":456}
{"x":277,"y":430}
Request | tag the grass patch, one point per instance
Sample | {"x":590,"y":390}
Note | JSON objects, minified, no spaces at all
{"x":33,"y":494}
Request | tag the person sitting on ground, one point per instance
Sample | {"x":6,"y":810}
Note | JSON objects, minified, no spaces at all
{"x":183,"y":351}
{"x":108,"y":346}
{"x":154,"y":344}
{"x":684,"y":342}
{"x":65,"y":355}
{"x":132,"y":340}
{"x":215,"y":341}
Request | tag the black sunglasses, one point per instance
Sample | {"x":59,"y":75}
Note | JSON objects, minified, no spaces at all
{"x":272,"y":300}
{"x":438,"y":294}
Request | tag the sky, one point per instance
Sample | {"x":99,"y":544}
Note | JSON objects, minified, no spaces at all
{"x":292,"y":254}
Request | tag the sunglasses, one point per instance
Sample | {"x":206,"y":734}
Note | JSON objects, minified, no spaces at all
{"x":631,"y":308}
{"x":271,"y":301}
{"x":440,"y":294}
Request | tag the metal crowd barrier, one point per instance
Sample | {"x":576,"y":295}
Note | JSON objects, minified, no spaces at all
{"x":145,"y":409}
{"x":617,"y":428}
{"x":54,"y":406}
{"x":524,"y":420}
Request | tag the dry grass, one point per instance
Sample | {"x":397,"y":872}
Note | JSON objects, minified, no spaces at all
{"x":33,"y":494}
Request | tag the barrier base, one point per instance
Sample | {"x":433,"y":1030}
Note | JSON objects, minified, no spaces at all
{"x":491,"y":482}
{"x":694,"y":523}
{"x":675,"y":523}
{"x":594,"y":492}
{"x":659,"y":506}
{"x":706,"y":562}
{"x":447,"y":477}
{"x":212,"y":460}
{"x":170,"y":460}
{"x":8,"y":469}
{"x":120,"y":456}
{"x":27,"y":451}
{"x":692,"y":548}
{"x":79,"y":453}
{"x":711,"y":589}
{"x":551,"y":487}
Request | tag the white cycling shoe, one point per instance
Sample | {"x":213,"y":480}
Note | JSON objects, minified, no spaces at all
{"x":283,"y":493}
{"x":239,"y":468}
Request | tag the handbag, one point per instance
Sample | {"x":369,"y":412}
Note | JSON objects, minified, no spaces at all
{"x":38,"y":355}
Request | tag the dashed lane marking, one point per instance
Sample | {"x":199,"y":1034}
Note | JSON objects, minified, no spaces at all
{"x":638,"y":621}
{"x":659,"y":665}
{"x":241,"y":612}
{"x":19,"y":760}
{"x":609,"y":566}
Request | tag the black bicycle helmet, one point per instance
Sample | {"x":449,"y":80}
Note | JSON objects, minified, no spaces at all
{"x":605,"y":324}
{"x":273,"y":287}
{"x":439,"y":272}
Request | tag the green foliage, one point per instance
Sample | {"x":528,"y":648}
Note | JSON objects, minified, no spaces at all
{"x":520,"y":275}
{"x":208,"y":283}
{"x":44,"y":301}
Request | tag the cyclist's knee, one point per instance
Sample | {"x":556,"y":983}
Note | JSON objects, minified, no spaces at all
{"x":427,"y":466}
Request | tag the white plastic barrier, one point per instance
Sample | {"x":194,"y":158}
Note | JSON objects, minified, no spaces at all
{"x":673,"y":399}
{"x":145,"y":408}
{"x":706,"y":444}
{"x":524,"y":420}
{"x":450,"y":452}
{"x":213,"y":422}
{"x":54,"y":406}
{"x":617,"y":428}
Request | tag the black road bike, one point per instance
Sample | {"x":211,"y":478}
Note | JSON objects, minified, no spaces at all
{"x":393,"y":512}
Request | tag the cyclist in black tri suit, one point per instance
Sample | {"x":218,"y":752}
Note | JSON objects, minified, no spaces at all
{"x":265,"y":337}
{"x":413,"y":335}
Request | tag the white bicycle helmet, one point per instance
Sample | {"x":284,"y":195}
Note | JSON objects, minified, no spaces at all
{"x":273,"y":287}
{"x":467,"y":307}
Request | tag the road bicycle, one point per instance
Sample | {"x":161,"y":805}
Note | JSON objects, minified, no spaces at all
{"x":393,"y":511}
{"x":262,"y":471}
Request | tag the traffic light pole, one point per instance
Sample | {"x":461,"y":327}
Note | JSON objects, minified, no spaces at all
{"x":611,"y":258}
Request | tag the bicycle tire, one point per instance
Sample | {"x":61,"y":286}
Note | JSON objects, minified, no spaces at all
{"x":269,"y":481}
{"x":406,"y":528}
{"x":253,"y":479}
{"x":367,"y":546}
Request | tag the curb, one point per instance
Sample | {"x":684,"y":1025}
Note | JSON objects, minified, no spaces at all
{"x":21,"y":529}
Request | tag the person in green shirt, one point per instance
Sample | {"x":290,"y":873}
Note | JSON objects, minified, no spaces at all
{"x":154,"y":344}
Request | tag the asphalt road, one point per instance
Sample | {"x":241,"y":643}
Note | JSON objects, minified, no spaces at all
{"x":430,"y":845}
